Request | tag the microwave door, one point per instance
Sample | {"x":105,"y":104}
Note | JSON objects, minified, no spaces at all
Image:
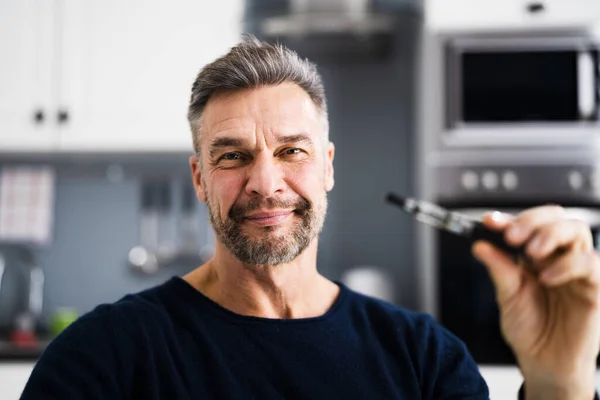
{"x":522,"y":86}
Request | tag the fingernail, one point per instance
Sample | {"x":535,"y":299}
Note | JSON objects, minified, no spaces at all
{"x":498,"y":216}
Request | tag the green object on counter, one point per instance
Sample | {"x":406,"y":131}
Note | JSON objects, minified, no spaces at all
{"x":61,"y":319}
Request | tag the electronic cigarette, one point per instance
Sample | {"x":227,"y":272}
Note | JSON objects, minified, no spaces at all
{"x":455,"y":223}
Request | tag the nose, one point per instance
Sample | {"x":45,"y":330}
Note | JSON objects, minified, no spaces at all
{"x":265,"y":177}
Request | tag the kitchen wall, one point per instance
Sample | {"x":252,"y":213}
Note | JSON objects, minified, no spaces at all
{"x":371,"y":112}
{"x":96,"y":224}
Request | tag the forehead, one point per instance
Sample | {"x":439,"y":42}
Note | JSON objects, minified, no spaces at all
{"x":285,"y":107}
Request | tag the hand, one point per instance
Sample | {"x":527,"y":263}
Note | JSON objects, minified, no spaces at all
{"x":550,"y":303}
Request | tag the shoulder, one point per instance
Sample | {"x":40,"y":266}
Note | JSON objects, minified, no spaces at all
{"x":416,"y":334}
{"x":441,"y":361}
{"x":97,"y":355}
{"x":119,"y":323}
{"x":145,"y":306}
{"x":401,"y":319}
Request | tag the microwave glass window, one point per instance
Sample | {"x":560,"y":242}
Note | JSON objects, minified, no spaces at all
{"x":519,"y":86}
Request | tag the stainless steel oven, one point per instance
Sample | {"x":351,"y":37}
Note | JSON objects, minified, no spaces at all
{"x":522,"y":90}
{"x":463,"y":294}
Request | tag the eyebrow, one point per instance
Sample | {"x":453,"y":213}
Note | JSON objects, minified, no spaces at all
{"x":222,"y":142}
{"x":300,"y":137}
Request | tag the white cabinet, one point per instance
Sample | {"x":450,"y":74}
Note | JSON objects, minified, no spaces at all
{"x":128,"y":69}
{"x":13,"y":377}
{"x":25,"y":78}
{"x":109,"y":76}
{"x":502,"y":15}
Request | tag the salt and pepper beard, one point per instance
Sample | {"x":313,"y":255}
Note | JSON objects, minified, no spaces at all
{"x":269,"y":249}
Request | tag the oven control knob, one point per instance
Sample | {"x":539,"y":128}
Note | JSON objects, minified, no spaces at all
{"x":469,"y":180}
{"x":575,"y":180}
{"x":510,"y":181}
{"x":489,"y":180}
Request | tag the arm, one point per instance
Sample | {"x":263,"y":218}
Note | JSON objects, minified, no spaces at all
{"x":81,"y":363}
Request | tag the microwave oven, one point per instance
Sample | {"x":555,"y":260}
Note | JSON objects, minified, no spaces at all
{"x":535,"y":91}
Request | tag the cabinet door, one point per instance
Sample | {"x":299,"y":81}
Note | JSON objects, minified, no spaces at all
{"x":128,"y":67}
{"x":26,"y":45}
{"x":490,"y":15}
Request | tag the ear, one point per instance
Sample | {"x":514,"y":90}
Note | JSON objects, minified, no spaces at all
{"x":329,"y":181}
{"x":197,"y":178}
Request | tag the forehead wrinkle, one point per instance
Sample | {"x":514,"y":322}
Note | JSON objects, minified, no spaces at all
{"x":225,"y":132}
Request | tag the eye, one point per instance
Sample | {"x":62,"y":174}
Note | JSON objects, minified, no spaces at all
{"x":231,"y":160}
{"x":231,"y":156}
{"x":292,"y":151}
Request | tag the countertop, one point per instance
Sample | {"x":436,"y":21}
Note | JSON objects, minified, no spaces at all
{"x":503,"y":381}
{"x":10,"y":352}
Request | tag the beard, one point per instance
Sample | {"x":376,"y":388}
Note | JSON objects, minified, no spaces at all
{"x":269,"y":247}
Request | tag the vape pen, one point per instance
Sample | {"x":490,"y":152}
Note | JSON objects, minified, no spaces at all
{"x":454,"y":222}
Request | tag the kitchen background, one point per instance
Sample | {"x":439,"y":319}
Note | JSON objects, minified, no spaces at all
{"x":93,"y":103}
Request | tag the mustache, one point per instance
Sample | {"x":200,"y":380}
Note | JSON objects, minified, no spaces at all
{"x":238,"y":211}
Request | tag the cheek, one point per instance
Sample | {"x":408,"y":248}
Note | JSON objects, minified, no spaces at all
{"x":307,"y":178}
{"x":224,"y":190}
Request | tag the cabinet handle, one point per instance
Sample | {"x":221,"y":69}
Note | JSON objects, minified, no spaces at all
{"x":38,"y":117}
{"x":63,"y":117}
{"x":535,"y":7}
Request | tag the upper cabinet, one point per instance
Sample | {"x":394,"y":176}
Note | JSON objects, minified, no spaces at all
{"x":128,"y":68}
{"x":26,"y":47}
{"x":500,"y":15}
{"x":111,"y":75}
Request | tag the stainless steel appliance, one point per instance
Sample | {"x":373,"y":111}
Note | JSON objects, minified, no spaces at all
{"x":333,"y":30}
{"x":507,"y":121}
{"x":461,"y":290}
{"x":516,"y":90}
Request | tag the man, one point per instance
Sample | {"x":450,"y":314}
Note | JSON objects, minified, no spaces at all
{"x":259,"y":322}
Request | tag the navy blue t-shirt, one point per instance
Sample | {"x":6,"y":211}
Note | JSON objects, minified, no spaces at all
{"x":172,"y":342}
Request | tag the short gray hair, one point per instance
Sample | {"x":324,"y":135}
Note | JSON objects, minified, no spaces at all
{"x":252,"y":64}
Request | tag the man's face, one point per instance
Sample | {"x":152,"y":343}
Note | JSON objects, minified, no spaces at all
{"x":266,"y":168}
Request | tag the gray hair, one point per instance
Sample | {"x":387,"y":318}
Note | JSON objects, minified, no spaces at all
{"x":252,"y":64}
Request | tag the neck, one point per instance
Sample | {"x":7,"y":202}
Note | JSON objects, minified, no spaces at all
{"x":291,"y":290}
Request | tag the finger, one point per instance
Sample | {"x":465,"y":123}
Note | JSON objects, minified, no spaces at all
{"x":572,"y":266}
{"x":497,"y":220}
{"x":524,"y":224}
{"x":505,"y":274}
{"x":550,"y":237}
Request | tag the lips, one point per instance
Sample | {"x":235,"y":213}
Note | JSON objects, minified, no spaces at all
{"x":268,"y":218}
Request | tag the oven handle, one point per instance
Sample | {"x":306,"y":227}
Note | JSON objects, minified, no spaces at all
{"x":590,"y":216}
{"x":586,"y":85}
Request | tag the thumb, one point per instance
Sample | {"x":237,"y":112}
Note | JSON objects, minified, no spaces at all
{"x":506,"y":275}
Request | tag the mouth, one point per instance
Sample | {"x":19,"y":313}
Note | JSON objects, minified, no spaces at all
{"x":268,"y":218}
